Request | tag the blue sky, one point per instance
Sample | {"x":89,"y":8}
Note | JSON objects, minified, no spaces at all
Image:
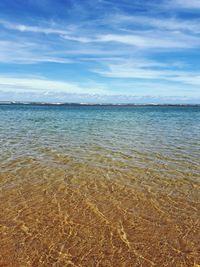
{"x":139,"y":51}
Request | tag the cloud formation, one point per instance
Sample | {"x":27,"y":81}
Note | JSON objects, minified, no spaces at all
{"x":100,"y":47}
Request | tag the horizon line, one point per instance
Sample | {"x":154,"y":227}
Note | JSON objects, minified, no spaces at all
{"x":43,"y":103}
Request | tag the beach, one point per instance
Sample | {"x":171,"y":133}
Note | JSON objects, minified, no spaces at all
{"x":99,"y":186}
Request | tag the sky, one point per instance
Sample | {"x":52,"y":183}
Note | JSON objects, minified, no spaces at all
{"x":100,"y":51}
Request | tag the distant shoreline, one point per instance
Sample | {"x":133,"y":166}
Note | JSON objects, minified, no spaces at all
{"x":95,"y":104}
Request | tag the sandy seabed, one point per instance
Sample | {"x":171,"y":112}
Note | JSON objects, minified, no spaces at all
{"x":86,"y":216}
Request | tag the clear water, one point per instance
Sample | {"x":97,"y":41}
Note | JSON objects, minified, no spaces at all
{"x":151,"y":152}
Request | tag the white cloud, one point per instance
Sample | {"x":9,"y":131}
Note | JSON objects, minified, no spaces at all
{"x":34,"y":29}
{"x":141,"y":38}
{"x":147,"y":40}
{"x":41,"y":89}
{"x":9,"y":83}
{"x":166,"y":23}
{"x":24,"y":52}
{"x":66,"y":34}
{"x":189,"y":4}
{"x":144,"y":39}
{"x":150,"y":71}
{"x":189,"y":78}
{"x":80,"y":39}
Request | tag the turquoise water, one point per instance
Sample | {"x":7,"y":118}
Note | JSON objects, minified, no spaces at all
{"x":99,"y":186}
{"x":147,"y":137}
{"x":162,"y":139}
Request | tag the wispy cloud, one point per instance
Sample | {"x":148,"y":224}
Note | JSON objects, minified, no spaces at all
{"x":147,"y":40}
{"x":188,"y":4}
{"x":150,"y":71}
{"x":138,"y":38}
{"x":34,"y":29}
{"x":111,"y":47}
{"x":24,"y":52}
{"x":43,"y":89}
{"x":148,"y":22}
{"x":45,"y":85}
{"x":66,"y":34}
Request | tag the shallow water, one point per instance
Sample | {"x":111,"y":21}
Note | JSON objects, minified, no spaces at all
{"x":99,"y":186}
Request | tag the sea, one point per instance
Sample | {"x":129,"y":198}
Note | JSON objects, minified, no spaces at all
{"x":99,"y":185}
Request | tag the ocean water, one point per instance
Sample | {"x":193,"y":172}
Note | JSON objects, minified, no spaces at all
{"x":99,"y":185}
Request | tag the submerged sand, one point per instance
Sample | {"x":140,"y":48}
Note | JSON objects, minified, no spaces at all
{"x":89,"y":216}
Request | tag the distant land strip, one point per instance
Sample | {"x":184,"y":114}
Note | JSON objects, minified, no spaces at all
{"x":93,"y":104}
